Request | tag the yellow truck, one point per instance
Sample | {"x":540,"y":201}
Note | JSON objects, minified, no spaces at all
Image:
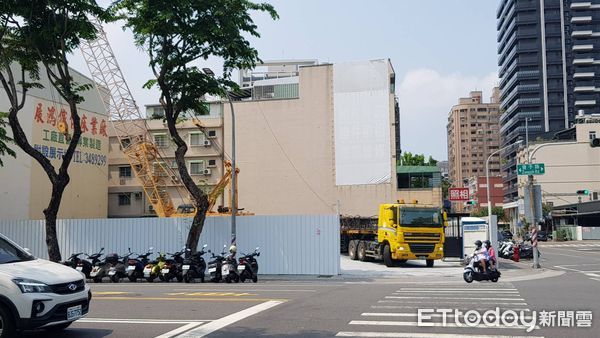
{"x":402,"y":232}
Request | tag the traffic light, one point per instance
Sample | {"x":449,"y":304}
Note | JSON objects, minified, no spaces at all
{"x":595,"y":142}
{"x":583,"y":192}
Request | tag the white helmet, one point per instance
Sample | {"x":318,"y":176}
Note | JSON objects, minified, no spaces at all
{"x":233,"y":249}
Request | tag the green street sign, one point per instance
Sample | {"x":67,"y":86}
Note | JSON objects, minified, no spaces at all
{"x":531,"y":169}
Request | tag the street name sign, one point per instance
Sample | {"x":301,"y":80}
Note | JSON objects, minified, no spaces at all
{"x":531,"y":169}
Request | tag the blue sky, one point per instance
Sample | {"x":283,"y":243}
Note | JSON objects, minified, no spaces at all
{"x":440,"y":49}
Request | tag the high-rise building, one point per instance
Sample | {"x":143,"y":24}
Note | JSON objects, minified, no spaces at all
{"x":472,"y":136}
{"x":583,"y":36}
{"x":533,"y":75}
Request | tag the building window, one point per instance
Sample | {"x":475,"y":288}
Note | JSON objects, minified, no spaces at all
{"x":196,"y":167}
{"x":212,"y":163}
{"x":125,"y":172}
{"x":592,"y":135}
{"x":124,"y":199}
{"x":419,"y":180}
{"x":196,"y":139}
{"x":161,"y":140}
{"x":212,"y":133}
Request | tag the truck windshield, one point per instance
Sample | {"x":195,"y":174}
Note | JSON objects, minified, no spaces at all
{"x":420,"y":218}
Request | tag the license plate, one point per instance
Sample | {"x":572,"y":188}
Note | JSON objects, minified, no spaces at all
{"x":79,"y":268}
{"x":185,"y":267}
{"x":164,"y":271}
{"x":211,"y":270}
{"x":225,"y":269}
{"x":130,"y":268}
{"x":74,"y":313}
{"x":241,"y":268}
{"x":112,"y":272}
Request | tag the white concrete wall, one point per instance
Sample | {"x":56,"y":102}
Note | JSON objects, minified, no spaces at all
{"x":361,"y":107}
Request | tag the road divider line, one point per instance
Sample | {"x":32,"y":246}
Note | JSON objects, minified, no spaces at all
{"x":404,"y":314}
{"x":420,"y":335}
{"x":459,"y":291}
{"x":249,"y":289}
{"x":466,"y":289}
{"x":434,"y":297}
{"x":465,"y":307}
{"x":141,"y":321}
{"x":227,"y":320}
{"x":192,"y":299}
{"x":431,"y":324}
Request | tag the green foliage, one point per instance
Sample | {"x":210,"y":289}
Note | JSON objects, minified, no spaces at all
{"x":446,"y":185}
{"x":178,"y":34}
{"x":4,"y":139}
{"x":410,"y":159}
{"x":483,"y":212}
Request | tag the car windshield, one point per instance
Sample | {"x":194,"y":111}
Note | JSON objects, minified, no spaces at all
{"x":420,"y":217}
{"x":9,"y":253}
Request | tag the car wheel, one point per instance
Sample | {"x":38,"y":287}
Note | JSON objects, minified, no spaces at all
{"x":7,"y":326}
{"x":59,"y":327}
{"x":429,"y":263}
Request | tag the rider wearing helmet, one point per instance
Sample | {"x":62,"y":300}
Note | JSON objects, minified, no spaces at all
{"x":481,"y":254}
{"x":491,"y":253}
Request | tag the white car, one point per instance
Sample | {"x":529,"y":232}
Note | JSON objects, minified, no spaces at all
{"x":35,"y":293}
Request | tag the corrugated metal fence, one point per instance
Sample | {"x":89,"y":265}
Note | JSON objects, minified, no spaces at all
{"x":306,"y":245}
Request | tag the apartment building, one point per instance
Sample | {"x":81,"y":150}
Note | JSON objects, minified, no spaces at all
{"x":204,"y":160}
{"x":473,"y":135}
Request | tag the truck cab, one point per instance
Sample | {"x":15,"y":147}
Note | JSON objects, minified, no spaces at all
{"x":409,"y":232}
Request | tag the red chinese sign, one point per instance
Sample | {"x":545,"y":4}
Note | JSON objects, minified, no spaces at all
{"x":458,"y":194}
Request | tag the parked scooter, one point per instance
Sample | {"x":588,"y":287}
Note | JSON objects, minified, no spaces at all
{"x":100,"y":269}
{"x":215,"y":266}
{"x":248,"y":266}
{"x":229,"y":268}
{"x":153,"y":270}
{"x":119,"y":270}
{"x":474,"y":271}
{"x":194,"y":266}
{"x":172,"y":268}
{"x":135,"y":268}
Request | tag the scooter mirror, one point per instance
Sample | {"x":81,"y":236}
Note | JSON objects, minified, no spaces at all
{"x":258,"y":247}
{"x":188,"y":250}
{"x":204,"y":246}
{"x":151,"y":248}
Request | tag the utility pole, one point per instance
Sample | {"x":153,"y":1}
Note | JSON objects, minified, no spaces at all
{"x":533,"y":221}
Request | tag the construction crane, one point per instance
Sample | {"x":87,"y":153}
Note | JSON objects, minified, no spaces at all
{"x":132,"y":130}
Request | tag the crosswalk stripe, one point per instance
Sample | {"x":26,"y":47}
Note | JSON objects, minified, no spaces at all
{"x":469,"y":289}
{"x":458,"y":291}
{"x":592,"y":275}
{"x":430,"y":324}
{"x":402,"y":314}
{"x":420,"y":335}
{"x":447,"y":302}
{"x":465,"y":307}
{"x":434,"y":297}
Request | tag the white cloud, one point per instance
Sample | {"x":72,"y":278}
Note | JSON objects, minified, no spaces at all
{"x":425,"y":98}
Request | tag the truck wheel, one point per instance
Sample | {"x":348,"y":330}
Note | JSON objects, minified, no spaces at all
{"x":362,"y":251}
{"x":430,"y":263}
{"x":387,"y":256}
{"x":352,"y":250}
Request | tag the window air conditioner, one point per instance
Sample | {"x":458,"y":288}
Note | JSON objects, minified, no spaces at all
{"x":207,"y":171}
{"x":206,"y":143}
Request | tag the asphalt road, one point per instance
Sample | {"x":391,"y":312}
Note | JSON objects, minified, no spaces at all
{"x":350,"y":307}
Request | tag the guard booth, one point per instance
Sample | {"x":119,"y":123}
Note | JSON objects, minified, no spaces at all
{"x":453,"y":246}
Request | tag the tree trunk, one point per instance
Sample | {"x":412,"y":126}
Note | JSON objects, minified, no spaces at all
{"x":51,"y":213}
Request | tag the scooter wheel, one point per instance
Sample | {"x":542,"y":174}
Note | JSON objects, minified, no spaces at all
{"x":115,"y":279}
{"x":187,"y":278}
{"x":494,"y":279}
{"x":236,"y":279}
{"x":468,"y":276}
{"x":132,"y":279}
{"x":228,"y":280}
{"x":242,"y":278}
{"x":97,"y":279}
{"x":179,"y":278}
{"x":254,"y":279}
{"x":202,"y":279}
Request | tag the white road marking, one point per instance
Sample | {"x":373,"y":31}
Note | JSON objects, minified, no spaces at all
{"x":445,"y":302}
{"x":465,"y":307}
{"x":431,"y":324}
{"x":179,"y":330}
{"x":225,"y":321}
{"x":592,"y":274}
{"x":435,"y":297}
{"x":596,"y":279}
{"x":141,"y":321}
{"x":403,"y":314}
{"x":249,"y":289}
{"x":468,"y":289}
{"x":421,"y":335}
{"x":458,"y":291}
